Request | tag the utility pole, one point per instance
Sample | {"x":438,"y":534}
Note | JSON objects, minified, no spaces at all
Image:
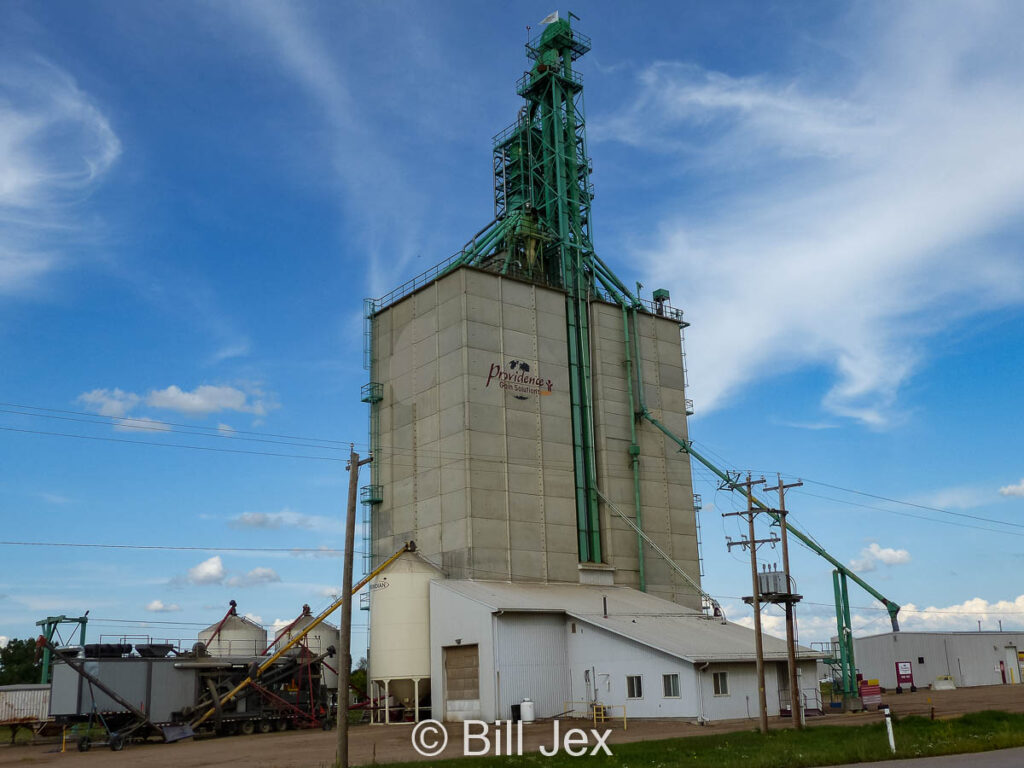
{"x":755,"y":599}
{"x":345,"y":654}
{"x":794,"y":689}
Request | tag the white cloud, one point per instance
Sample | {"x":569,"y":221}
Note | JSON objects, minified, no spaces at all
{"x":201,"y":401}
{"x":1013,"y":490}
{"x":874,"y":554}
{"x":818,"y":623}
{"x":965,"y":615}
{"x":3,"y":641}
{"x":225,"y":429}
{"x":841,"y":219}
{"x":286,"y":518}
{"x":254,"y":578}
{"x":209,"y":571}
{"x":110,"y":402}
{"x":55,"y":145}
{"x":205,"y":399}
{"x":254,"y":617}
{"x":158,"y":606}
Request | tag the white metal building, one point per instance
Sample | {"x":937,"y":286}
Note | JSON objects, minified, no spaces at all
{"x":970,"y":658}
{"x":492,"y":644}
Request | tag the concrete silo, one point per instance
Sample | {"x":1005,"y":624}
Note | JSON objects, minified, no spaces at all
{"x":516,"y":390}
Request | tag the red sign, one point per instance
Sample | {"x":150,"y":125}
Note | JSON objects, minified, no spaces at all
{"x":904,"y":673}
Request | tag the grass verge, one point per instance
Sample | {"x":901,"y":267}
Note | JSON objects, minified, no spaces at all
{"x":819,"y":745}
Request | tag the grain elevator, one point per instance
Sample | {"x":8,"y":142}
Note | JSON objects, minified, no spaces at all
{"x":507,"y":392}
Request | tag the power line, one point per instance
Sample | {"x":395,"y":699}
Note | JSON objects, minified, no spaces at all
{"x":912,"y":515}
{"x":146,"y":425}
{"x":174,"y":424}
{"x":172,"y":445}
{"x":287,"y":550}
{"x":913,"y":504}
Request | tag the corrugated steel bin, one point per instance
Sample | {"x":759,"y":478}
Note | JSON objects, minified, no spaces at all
{"x":24,"y":704}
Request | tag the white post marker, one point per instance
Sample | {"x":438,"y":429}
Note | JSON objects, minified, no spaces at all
{"x":888,"y":728}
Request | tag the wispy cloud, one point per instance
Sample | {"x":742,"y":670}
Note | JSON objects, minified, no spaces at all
{"x":254,"y":578}
{"x":814,"y":426}
{"x":843,"y":219}
{"x":1013,"y":490}
{"x":141,"y":423}
{"x":956,"y":497}
{"x":286,"y":518}
{"x":386,"y":211}
{"x":55,"y":498}
{"x":55,"y":146}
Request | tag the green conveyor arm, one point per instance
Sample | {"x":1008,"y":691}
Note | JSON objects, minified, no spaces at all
{"x":687,"y":447}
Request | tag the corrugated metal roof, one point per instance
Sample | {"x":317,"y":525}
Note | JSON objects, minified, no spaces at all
{"x":643,"y":618}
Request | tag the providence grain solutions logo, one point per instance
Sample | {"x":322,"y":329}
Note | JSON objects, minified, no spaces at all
{"x":516,"y":378}
{"x":505,"y":737}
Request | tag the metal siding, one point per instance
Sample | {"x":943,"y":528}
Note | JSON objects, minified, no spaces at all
{"x":24,"y":703}
{"x":531,"y":659}
{"x":611,"y":658}
{"x":171,"y":690}
{"x":65,"y":690}
{"x":970,"y":658}
{"x":126,"y":677}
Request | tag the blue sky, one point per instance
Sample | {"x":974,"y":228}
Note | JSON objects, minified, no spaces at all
{"x":196,"y":197}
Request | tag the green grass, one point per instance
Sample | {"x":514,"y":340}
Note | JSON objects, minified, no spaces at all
{"x":24,"y":735}
{"x":818,"y":745}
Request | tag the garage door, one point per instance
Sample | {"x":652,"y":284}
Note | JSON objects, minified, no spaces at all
{"x":462,"y":682}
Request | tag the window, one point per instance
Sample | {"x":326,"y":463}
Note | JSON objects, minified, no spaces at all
{"x":721,"y":683}
{"x":920,"y":659}
{"x":634,"y":687}
{"x":671,"y":685}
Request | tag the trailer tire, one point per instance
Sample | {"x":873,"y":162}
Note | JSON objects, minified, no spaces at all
{"x":281,"y":725}
{"x":116,"y":742}
{"x":327,"y":724}
{"x":247,"y":727}
{"x":84,"y":743}
{"x":266,"y":726}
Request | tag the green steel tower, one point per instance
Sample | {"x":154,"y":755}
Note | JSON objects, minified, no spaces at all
{"x":541,"y":230}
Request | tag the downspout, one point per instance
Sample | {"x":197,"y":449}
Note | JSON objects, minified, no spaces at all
{"x":702,"y":718}
{"x":634,"y":453}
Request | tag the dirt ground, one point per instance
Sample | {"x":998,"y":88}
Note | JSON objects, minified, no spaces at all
{"x":384,"y":744}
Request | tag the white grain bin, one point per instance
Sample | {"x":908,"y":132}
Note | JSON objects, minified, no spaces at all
{"x":400,"y":630}
{"x":323,"y":636}
{"x":234,"y":636}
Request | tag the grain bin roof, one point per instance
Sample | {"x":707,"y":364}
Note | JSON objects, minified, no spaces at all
{"x":638,"y":616}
